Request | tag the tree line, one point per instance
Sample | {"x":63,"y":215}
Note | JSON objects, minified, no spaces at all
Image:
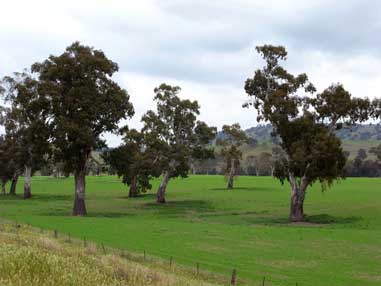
{"x":56,"y":111}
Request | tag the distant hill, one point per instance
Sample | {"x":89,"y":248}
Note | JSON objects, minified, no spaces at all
{"x":354,"y":138}
{"x":358,"y":132}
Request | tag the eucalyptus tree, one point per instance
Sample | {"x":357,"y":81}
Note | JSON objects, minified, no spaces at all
{"x":376,"y":151}
{"x":84,"y":102}
{"x":7,"y":169}
{"x":134,"y":161}
{"x":26,"y":125}
{"x":175,"y":135}
{"x":305,"y":123}
{"x":232,"y":138}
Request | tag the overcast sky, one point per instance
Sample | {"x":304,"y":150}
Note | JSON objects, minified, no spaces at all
{"x":205,"y":47}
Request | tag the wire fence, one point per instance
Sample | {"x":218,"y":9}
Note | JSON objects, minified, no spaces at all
{"x":210,"y":272}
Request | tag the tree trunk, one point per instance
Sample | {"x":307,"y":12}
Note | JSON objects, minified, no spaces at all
{"x":272,"y":171}
{"x":298,"y":193}
{"x":231,"y":176}
{"x":79,"y":208}
{"x":3,"y":191}
{"x":163,"y":186}
{"x":296,"y":210}
{"x":12,"y":190}
{"x":27,"y":182}
{"x":133,"y":193}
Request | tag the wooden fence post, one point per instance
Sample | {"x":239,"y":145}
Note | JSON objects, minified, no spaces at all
{"x":170,"y":262}
{"x":55,"y":233}
{"x":233,"y":281}
{"x":263,"y":281}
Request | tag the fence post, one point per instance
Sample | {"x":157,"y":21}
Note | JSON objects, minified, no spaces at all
{"x":144,"y":255}
{"x":170,"y":262}
{"x":233,"y":281}
{"x":55,"y":233}
{"x":103,"y":248}
{"x":263,"y":281}
{"x":197,"y":268}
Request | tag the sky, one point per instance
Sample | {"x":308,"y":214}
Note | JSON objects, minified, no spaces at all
{"x":205,"y":47}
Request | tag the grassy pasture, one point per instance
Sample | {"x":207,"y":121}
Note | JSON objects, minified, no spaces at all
{"x":245,"y":228}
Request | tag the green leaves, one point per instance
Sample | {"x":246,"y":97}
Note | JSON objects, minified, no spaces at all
{"x":26,"y":119}
{"x":174,"y":132}
{"x":303,"y":122}
{"x":232,"y":138}
{"x":84,"y":101}
{"x":134,"y":161}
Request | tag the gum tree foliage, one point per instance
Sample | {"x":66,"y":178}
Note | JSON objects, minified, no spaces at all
{"x":84,"y":103}
{"x":376,"y":114}
{"x":134,"y":161}
{"x":376,"y":151}
{"x":232,"y":138}
{"x":9,"y":163}
{"x":304,"y":123}
{"x":26,"y":124}
{"x":175,"y":135}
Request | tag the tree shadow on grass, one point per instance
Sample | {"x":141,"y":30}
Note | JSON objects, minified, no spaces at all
{"x":321,"y":219}
{"x":179,"y":208}
{"x":149,"y":196}
{"x":241,"y":189}
{"x":234,"y":213}
{"x":52,"y":198}
{"x":329,"y":219}
{"x":8,"y":197}
{"x":67,"y":212}
{"x":37,"y":197}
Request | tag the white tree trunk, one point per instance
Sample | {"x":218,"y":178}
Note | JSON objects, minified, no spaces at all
{"x":27,"y":182}
{"x":231,"y":176}
{"x":163,"y":186}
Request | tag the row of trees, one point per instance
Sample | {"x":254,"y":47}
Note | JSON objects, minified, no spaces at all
{"x":56,"y":113}
{"x":59,"y":109}
{"x":362,"y":166}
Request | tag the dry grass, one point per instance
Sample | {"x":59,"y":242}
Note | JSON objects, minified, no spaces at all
{"x":30,"y":258}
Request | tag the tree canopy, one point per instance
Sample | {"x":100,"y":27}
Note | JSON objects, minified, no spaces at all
{"x":304,"y":122}
{"x":26,"y":121}
{"x":84,"y":102}
{"x":232,"y":138}
{"x":134,"y":161}
{"x":175,"y":134}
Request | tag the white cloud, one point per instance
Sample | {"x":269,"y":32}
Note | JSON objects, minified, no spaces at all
{"x":206,"y":47}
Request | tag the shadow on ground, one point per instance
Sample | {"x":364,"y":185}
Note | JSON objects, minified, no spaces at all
{"x":253,"y":189}
{"x":180,"y":207}
{"x":37,"y":197}
{"x":329,"y":219}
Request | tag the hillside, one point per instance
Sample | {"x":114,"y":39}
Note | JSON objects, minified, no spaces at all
{"x":31,"y":257}
{"x":357,"y":136}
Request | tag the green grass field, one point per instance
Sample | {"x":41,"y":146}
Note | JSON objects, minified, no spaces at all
{"x":245,"y":228}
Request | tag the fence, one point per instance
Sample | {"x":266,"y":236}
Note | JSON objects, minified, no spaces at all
{"x":198,"y":271}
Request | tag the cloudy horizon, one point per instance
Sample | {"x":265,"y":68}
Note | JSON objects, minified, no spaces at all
{"x":205,"y":47}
